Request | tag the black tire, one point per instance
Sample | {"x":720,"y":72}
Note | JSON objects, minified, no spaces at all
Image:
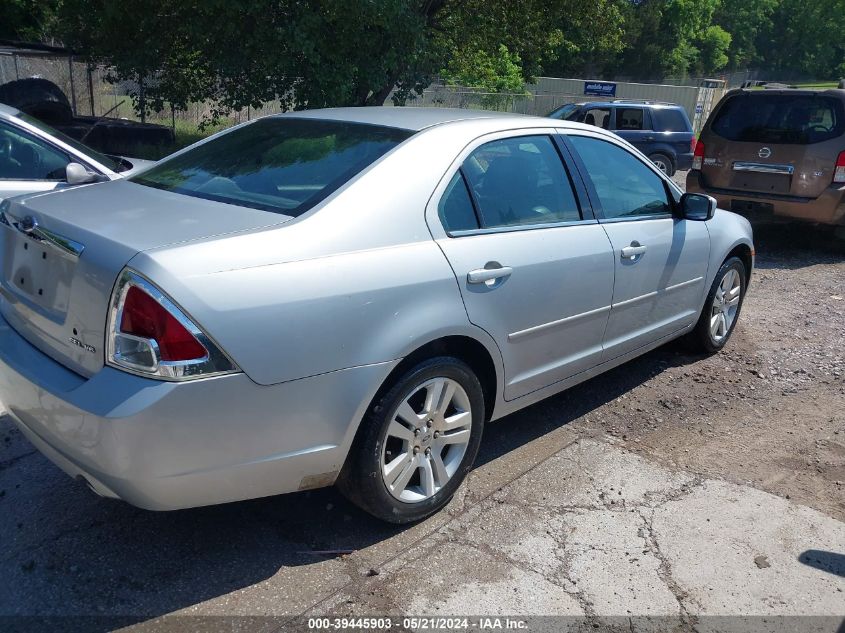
{"x":701,"y":338}
{"x":658,"y":158}
{"x":361,"y":479}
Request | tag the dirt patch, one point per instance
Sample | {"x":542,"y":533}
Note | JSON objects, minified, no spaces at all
{"x":769,"y":409}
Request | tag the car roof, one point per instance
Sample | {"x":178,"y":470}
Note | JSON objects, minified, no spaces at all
{"x":830,"y":92}
{"x":404,"y":117}
{"x":617,"y":102}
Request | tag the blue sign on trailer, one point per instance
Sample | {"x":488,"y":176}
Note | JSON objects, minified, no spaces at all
{"x":600,"y":88}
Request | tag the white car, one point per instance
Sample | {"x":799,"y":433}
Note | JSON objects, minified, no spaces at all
{"x":35,"y":157}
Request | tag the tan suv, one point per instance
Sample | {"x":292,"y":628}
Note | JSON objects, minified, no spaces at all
{"x":775,"y":153}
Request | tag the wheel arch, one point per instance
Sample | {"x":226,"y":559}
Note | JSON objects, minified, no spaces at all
{"x":465,"y":348}
{"x":744,"y":253}
{"x":472,"y":351}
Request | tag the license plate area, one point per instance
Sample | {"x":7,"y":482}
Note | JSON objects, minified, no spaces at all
{"x":37,"y":271}
{"x":763,"y":183}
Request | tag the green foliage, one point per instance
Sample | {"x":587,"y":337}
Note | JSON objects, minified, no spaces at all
{"x":500,"y":73}
{"x":315,"y":53}
{"x":805,"y":37}
{"x":745,"y":20}
{"x":26,"y":20}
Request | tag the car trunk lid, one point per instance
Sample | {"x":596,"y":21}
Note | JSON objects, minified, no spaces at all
{"x":61,"y":253}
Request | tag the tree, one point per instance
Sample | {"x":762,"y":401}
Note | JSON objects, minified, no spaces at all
{"x":26,"y":20}
{"x":804,"y":39}
{"x":745,"y":20}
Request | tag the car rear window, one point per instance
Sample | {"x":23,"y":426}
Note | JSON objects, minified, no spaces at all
{"x":670,"y":120}
{"x":283,"y":165}
{"x":788,"y":119}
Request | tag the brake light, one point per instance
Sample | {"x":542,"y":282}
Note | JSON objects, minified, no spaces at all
{"x":145,"y":317}
{"x":692,"y":145}
{"x":698,"y":155}
{"x":839,"y":170}
{"x":149,"y":334}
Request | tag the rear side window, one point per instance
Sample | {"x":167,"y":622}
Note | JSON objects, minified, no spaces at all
{"x":283,"y":165}
{"x":788,"y":119}
{"x":455,"y":209}
{"x":631,"y":119}
{"x":670,"y":120}
{"x":520,"y":181}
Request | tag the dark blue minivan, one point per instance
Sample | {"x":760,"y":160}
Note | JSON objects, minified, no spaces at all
{"x":661,"y":131}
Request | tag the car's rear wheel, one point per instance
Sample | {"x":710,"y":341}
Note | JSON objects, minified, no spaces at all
{"x":417,"y":442}
{"x":663,"y":163}
{"x":721,"y":309}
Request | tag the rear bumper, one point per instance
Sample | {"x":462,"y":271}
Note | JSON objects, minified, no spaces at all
{"x":828,"y":208}
{"x":684,"y":162}
{"x":164,"y":446}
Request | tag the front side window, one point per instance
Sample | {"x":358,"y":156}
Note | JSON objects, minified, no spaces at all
{"x":25,"y":157}
{"x":277,"y":164}
{"x":625,"y":186}
{"x":520,"y":181}
{"x":67,"y":140}
{"x":600,"y":117}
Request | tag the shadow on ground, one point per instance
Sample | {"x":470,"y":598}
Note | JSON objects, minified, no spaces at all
{"x":830,"y":562}
{"x":794,"y":245}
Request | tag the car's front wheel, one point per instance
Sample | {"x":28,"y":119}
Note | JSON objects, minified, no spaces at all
{"x":417,"y":442}
{"x":722,"y":307}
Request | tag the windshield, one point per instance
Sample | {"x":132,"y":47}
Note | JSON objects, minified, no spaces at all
{"x":278,"y":164}
{"x":104,"y":160}
{"x":564,"y":111}
{"x":790,"y":119}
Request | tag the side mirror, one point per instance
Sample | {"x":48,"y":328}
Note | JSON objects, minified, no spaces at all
{"x":697,"y":206}
{"x":76,"y":174}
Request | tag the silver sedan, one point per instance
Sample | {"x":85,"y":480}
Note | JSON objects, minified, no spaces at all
{"x":345,"y":297}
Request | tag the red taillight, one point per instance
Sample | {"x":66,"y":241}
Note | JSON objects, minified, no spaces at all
{"x":692,"y":145}
{"x":151,"y":335}
{"x":839,"y":170}
{"x":145,"y":317}
{"x":698,"y":155}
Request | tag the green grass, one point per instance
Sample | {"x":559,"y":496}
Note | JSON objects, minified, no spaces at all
{"x":819,"y":86}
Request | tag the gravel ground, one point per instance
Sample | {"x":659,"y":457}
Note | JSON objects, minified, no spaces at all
{"x":752,"y":437}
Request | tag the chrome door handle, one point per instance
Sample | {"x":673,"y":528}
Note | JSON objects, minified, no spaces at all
{"x":482,"y":275}
{"x":633,"y":251}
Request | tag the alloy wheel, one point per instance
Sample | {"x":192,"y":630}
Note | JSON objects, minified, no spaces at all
{"x":725,"y":305}
{"x":426,"y":440}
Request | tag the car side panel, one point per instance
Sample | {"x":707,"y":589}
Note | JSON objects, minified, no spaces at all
{"x":303,"y":318}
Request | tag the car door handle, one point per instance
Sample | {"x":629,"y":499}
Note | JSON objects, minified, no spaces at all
{"x":648,"y":138}
{"x":633,"y":251}
{"x":482,"y":275}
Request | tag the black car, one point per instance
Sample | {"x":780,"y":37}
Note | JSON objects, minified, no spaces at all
{"x":661,"y":131}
